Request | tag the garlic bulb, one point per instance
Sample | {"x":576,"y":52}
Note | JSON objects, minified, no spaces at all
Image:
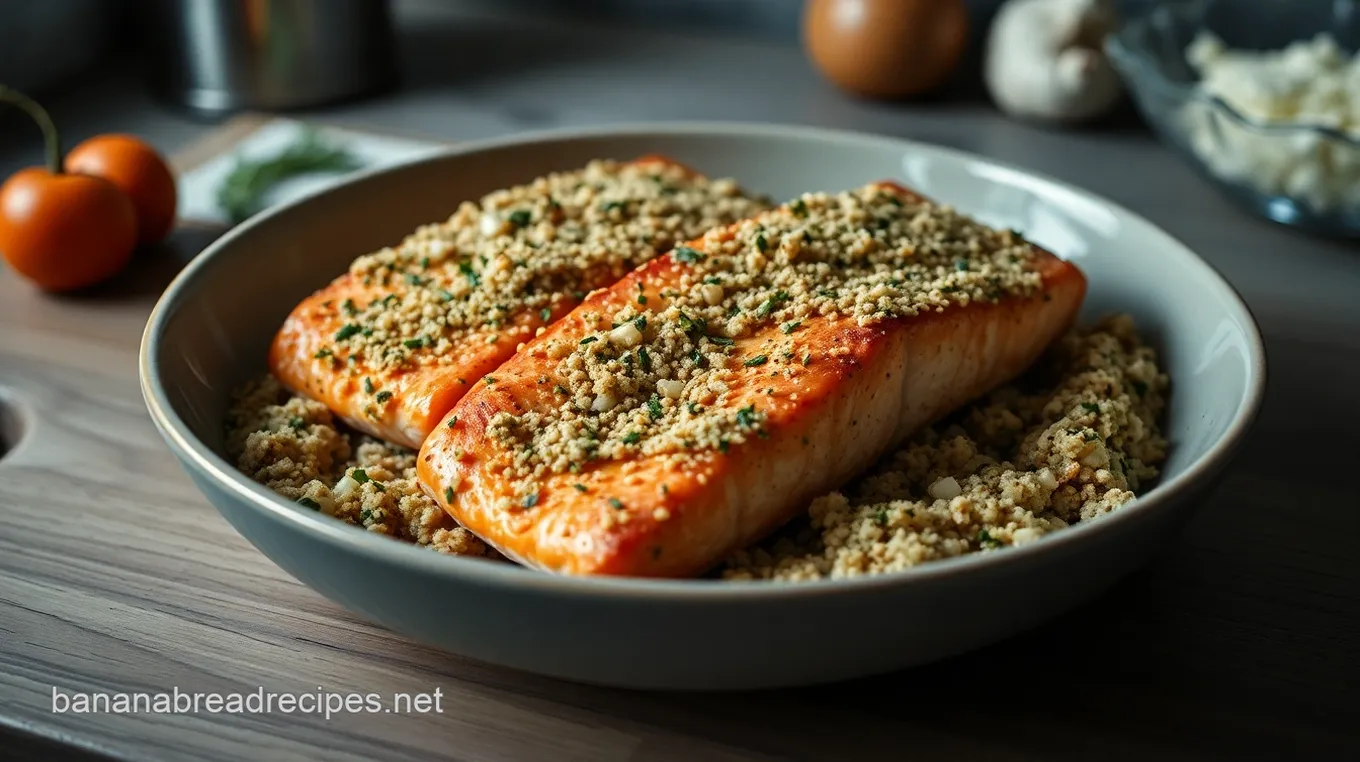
{"x":1045,"y":60}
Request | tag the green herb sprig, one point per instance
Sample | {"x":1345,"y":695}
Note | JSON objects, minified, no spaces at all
{"x":242,"y":193}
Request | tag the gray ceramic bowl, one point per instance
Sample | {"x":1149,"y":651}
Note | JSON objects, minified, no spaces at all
{"x":211,"y":328}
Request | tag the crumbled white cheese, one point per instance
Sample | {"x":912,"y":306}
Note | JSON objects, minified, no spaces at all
{"x":1310,"y":82}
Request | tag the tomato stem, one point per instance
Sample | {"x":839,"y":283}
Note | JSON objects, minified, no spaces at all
{"x":39,"y":114}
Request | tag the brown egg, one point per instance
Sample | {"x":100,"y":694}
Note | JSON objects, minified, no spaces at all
{"x":885,"y":48}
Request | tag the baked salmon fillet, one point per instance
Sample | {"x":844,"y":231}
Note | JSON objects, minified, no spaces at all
{"x":393,"y":343}
{"x":703,"y":400}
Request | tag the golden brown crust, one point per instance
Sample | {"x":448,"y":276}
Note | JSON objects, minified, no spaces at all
{"x":392,"y":344}
{"x":660,"y":503}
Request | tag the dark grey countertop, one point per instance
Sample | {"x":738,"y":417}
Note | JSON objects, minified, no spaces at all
{"x":1241,"y":641}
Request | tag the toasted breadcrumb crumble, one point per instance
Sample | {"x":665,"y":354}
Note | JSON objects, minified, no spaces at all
{"x":1005,"y":470}
{"x":654,"y":377}
{"x":1073,"y":440}
{"x":531,"y":249}
{"x":295,"y":447}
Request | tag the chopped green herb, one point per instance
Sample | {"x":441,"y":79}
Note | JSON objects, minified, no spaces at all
{"x":610,"y":206}
{"x":721,"y":341}
{"x":415,"y":343}
{"x":310,"y":503}
{"x":472,"y":277}
{"x":244,"y":190}
{"x":687,"y":255}
{"x":368,"y":385}
{"x":448,"y":494}
{"x":799,"y":208}
{"x":746,"y":417}
{"x":1091,"y":407}
{"x":771,"y":304}
{"x":520,"y":218}
{"x":882,"y":517}
{"x":642,"y":299}
{"x":545,"y":314}
{"x":579,"y":487}
{"x":615,"y":503}
{"x":348,"y":330}
{"x":986,"y":540}
{"x":961,"y":265}
{"x":762,"y":245}
{"x":382,"y":396}
{"x":490,"y":380}
{"x":359,"y":475}
{"x":297,"y":423}
{"x":446,"y":296}
{"x":640,"y":322}
{"x":530,"y":500}
{"x":690,"y":325}
{"x":349,"y":308}
{"x":1139,"y":387}
{"x":757,"y":360}
{"x":644,"y":358}
{"x":453,"y":421}
{"x":414,"y":280}
{"x":323,"y":352}
{"x":790,"y":326}
{"x":590,"y":339}
{"x":654,"y":407}
{"x":631,"y":437}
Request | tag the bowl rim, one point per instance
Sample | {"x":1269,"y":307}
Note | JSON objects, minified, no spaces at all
{"x":342,"y":536}
{"x":1139,"y":68}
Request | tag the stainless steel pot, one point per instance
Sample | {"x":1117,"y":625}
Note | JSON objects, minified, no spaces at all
{"x":221,"y":56}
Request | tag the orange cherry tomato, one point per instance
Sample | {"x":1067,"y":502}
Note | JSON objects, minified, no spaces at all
{"x":65,"y":231}
{"x":139,"y":171}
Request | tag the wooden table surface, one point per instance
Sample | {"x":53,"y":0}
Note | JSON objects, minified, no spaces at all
{"x":1240,"y":641}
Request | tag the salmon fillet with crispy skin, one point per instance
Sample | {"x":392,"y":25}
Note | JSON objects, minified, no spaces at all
{"x":393,"y":343}
{"x":706,"y":398}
